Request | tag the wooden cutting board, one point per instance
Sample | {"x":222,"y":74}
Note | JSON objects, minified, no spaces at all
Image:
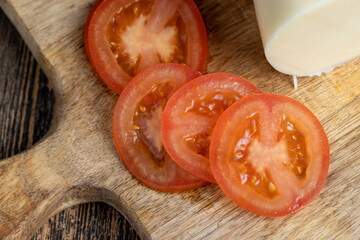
{"x":77,"y":161}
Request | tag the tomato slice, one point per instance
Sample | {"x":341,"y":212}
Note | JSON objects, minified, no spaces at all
{"x":269,"y":154}
{"x":123,"y":38}
{"x":136,"y":128}
{"x":191,"y":114}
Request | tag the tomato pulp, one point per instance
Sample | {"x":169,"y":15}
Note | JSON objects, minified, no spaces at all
{"x":191,"y":114}
{"x":269,"y":154}
{"x":122,"y":38}
{"x":137,"y":132}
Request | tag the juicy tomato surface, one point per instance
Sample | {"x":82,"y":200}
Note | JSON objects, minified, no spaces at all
{"x":123,"y":38}
{"x":269,"y":154}
{"x":137,"y":128}
{"x":191,"y":114}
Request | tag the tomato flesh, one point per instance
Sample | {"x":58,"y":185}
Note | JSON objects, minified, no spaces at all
{"x":147,"y":119}
{"x":137,"y":128}
{"x":213,"y":103}
{"x":296,"y":147}
{"x":210,"y":106}
{"x":125,"y":37}
{"x":269,"y":154}
{"x":191,"y":114}
{"x":261,"y":181}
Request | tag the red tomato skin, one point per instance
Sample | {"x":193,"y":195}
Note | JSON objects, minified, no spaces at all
{"x":102,"y":69}
{"x":323,"y":145}
{"x":179,"y":185}
{"x":203,"y":43}
{"x":89,"y":51}
{"x":167,"y":124}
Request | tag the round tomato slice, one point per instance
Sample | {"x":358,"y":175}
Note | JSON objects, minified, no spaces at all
{"x":136,"y":128}
{"x":191,"y":114}
{"x":269,"y":154}
{"x":123,"y":38}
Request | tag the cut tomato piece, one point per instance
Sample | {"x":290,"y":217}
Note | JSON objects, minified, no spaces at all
{"x":269,"y":154}
{"x":137,"y":132}
{"x":123,"y":38}
{"x":191,"y":114}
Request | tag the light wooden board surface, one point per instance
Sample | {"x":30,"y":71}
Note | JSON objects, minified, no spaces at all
{"x":77,"y":161}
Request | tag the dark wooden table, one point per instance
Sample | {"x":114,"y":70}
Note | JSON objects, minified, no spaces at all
{"x":26,"y":107}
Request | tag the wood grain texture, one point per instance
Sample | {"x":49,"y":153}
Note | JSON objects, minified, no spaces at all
{"x":26,"y":106}
{"x":87,"y":221}
{"x":77,"y":161}
{"x":23,"y":119}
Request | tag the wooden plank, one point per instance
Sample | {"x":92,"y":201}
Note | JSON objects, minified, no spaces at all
{"x":25,"y":91}
{"x":78,"y":162}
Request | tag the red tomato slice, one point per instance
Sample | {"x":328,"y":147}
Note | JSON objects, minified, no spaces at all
{"x":191,"y":114}
{"x":136,"y":128}
{"x":269,"y":154}
{"x":123,"y":38}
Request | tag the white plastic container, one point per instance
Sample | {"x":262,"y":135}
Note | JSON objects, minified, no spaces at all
{"x":309,"y":37}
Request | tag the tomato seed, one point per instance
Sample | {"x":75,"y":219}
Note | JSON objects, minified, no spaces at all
{"x":136,"y":9}
{"x":239,"y":154}
{"x":253,"y":180}
{"x":254,"y":126}
{"x":142,"y":108}
{"x":272,"y":187}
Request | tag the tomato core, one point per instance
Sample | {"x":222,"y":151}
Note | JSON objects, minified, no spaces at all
{"x":133,"y":34}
